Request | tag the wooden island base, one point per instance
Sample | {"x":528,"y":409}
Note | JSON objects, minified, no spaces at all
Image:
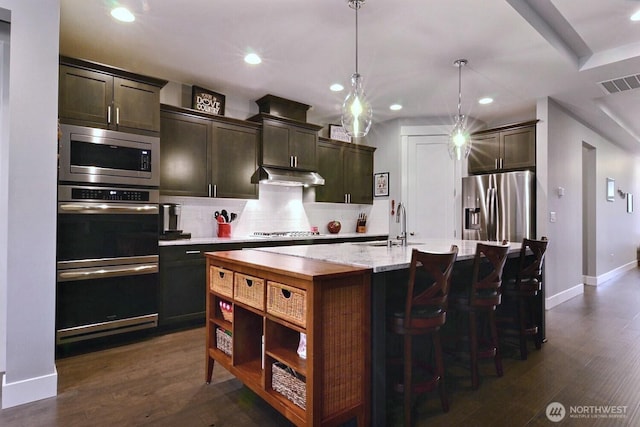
{"x":260,"y":304}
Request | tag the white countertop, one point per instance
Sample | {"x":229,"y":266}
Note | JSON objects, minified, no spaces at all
{"x":243,"y":239}
{"x":380,"y":258}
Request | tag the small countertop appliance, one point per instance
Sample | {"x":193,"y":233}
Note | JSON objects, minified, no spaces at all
{"x":170,"y":214}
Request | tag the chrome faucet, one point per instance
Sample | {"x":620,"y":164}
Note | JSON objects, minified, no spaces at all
{"x":401,"y":217}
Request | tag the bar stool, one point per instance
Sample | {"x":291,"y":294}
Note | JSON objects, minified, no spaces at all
{"x":518,"y":315}
{"x":424,"y":312}
{"x":479,"y":300}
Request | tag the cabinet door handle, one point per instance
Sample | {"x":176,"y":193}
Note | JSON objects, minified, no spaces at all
{"x":109,"y":114}
{"x":501,"y":163}
{"x":215,"y":190}
{"x":497,"y":164}
{"x":117,"y":115}
{"x":210,"y":190}
{"x":345,"y":198}
{"x":191,"y":252}
{"x":295,"y":159}
{"x":349,"y":197}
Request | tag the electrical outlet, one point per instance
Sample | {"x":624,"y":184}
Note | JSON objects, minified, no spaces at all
{"x":552,"y":217}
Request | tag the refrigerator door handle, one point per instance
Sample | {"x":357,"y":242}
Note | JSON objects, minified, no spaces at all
{"x":492,"y":213}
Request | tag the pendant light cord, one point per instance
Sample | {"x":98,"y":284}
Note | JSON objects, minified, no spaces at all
{"x":357,"y":6}
{"x":460,"y":63}
{"x":459,"y":87}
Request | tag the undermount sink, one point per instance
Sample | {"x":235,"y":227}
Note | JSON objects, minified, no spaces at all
{"x":391,"y":243}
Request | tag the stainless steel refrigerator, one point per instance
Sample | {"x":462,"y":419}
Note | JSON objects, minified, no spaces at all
{"x":498,"y":206}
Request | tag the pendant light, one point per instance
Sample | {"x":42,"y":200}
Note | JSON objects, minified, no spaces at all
{"x":356,"y":110}
{"x":459,"y":139}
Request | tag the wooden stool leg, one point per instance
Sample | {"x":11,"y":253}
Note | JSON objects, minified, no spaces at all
{"x":437,"y":346}
{"x":407,"y":387}
{"x":522,"y":320}
{"x":473,"y":349}
{"x":536,"y":322}
{"x":494,"y":342}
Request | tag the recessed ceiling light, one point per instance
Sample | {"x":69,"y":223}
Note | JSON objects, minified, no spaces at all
{"x":485,"y":101}
{"x":336,"y":87}
{"x":636,"y":16}
{"x":252,"y":59}
{"x":395,"y":107}
{"x":122,"y":14}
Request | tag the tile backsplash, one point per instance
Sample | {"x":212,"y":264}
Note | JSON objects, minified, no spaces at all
{"x":279,"y":208}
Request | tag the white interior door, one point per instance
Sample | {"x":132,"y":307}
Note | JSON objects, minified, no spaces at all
{"x":430,"y":188}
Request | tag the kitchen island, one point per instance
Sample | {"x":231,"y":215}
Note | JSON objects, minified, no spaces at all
{"x":389,"y":264}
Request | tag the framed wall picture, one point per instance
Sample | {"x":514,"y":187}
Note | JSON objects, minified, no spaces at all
{"x":207,"y":101}
{"x":381,"y":184}
{"x":338,"y":133}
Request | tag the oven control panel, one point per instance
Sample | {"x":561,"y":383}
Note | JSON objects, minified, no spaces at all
{"x":109,"y":194}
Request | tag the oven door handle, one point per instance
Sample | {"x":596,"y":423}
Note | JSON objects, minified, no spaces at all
{"x":107,"y":208}
{"x":105,"y":272}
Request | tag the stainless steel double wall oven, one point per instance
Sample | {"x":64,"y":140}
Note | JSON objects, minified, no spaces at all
{"x":107,"y":237}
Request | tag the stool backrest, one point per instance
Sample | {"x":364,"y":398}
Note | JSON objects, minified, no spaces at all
{"x":486,"y":282}
{"x":531,"y":266}
{"x":429,"y":280}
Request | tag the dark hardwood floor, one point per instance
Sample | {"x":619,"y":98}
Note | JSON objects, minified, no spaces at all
{"x":591,"y":358}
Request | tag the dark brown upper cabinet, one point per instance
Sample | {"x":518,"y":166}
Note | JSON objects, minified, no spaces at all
{"x":506,"y":148}
{"x":347,"y":170}
{"x":287,"y":143}
{"x":96,"y":95}
{"x":207,"y":156}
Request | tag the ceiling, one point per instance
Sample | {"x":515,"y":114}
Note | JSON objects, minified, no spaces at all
{"x":518,"y":51}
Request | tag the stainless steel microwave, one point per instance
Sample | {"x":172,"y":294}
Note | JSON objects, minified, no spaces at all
{"x":100,"y":156}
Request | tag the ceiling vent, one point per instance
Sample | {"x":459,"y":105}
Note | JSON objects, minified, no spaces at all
{"x":621,"y":84}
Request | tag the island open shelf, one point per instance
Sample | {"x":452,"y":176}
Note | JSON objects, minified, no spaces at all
{"x":271,"y":301}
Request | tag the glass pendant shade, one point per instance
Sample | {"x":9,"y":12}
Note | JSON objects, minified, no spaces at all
{"x":356,"y":110}
{"x":459,"y":140}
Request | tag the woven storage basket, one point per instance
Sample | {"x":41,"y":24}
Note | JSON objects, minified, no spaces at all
{"x":286,"y":382}
{"x":249,"y":290}
{"x":287,"y":303}
{"x":223,"y":341}
{"x":221,"y":281}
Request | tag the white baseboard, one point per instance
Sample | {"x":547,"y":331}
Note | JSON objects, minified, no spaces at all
{"x":29,"y":390}
{"x":563,"y":296}
{"x":598,"y":280}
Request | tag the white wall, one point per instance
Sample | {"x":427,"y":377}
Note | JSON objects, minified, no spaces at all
{"x":30,"y":191}
{"x":617,"y":233}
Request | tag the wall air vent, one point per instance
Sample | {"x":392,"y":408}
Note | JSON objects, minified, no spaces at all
{"x":621,"y":84}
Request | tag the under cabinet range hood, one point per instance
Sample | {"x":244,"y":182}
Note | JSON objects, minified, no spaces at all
{"x":282,"y":176}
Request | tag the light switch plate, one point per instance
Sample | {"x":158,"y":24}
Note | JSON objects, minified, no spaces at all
{"x":552,"y":217}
